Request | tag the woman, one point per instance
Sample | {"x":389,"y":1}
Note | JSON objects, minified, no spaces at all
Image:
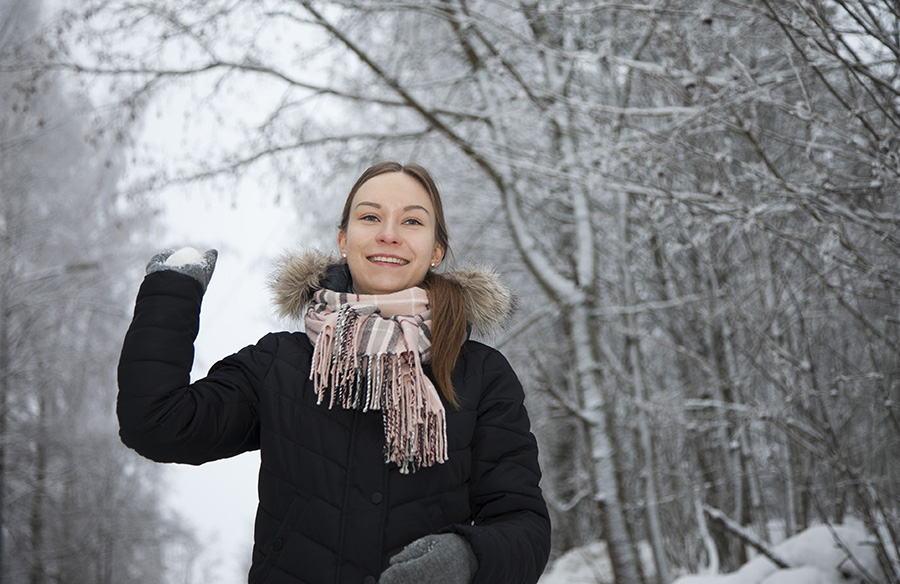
{"x":393,"y":449}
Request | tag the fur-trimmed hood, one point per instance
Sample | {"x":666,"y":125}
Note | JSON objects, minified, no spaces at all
{"x":298,"y":276}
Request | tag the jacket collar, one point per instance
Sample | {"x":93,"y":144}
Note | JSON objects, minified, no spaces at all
{"x":297,"y":276}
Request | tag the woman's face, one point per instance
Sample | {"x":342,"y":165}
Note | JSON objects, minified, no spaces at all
{"x":389,"y":241}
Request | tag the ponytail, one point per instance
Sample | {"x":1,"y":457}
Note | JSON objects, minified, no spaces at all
{"x":448,"y":330}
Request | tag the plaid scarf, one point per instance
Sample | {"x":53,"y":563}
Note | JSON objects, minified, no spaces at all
{"x":369,"y":351}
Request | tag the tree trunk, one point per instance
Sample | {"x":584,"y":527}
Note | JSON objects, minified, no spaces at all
{"x":645,"y":438}
{"x":4,"y":400}
{"x":5,"y":375}
{"x":606,"y":487}
{"x":790,"y":491}
{"x":39,"y":495}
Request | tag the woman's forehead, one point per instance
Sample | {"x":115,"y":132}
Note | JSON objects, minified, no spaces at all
{"x":396,"y":190}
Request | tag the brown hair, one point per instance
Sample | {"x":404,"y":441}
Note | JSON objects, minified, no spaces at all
{"x":448,"y":307}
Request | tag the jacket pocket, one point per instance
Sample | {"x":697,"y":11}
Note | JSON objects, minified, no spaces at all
{"x":259,"y":573}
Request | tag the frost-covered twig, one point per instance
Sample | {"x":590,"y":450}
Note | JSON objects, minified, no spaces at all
{"x":867,"y":577}
{"x":745,"y":535}
{"x":711,"y":551}
{"x":884,"y":532}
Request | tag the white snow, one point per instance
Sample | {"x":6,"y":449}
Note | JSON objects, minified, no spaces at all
{"x":815,"y":556}
{"x":184,"y":257}
{"x":590,"y":564}
{"x":805,"y":575}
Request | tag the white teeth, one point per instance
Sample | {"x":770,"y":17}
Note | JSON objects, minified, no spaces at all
{"x":388,"y":260}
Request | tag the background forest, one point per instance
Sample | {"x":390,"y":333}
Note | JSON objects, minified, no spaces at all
{"x":696,"y":202}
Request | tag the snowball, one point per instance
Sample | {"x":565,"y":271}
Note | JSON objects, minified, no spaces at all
{"x":185,"y":256}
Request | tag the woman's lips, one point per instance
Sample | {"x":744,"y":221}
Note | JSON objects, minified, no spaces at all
{"x":386,"y":259}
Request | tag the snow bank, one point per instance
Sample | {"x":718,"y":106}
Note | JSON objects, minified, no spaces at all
{"x":590,"y":564}
{"x":816,"y":556}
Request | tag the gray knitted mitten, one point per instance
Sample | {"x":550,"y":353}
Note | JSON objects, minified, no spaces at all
{"x":446,"y":558}
{"x":186,"y":260}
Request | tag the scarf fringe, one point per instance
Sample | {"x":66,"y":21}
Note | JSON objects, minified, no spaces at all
{"x":395,"y":383}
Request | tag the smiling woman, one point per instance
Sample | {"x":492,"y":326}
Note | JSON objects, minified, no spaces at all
{"x":393,"y":449}
{"x":387,"y":235}
{"x":396,"y":218}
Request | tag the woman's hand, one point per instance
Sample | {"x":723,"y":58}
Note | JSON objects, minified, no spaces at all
{"x":439,"y":559}
{"x":186,"y":260}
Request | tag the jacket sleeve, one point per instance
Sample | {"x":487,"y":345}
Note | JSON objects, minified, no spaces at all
{"x":510,"y":534}
{"x":161,"y":414}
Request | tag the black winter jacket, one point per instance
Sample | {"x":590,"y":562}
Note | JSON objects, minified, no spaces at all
{"x":330,"y":509}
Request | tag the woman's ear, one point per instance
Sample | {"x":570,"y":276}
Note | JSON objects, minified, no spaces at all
{"x":438,"y":256}
{"x":342,"y":240}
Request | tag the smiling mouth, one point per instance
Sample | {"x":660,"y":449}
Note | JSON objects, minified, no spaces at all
{"x":388,"y":260}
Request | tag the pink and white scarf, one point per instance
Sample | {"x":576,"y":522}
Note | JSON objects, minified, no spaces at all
{"x":369,"y":351}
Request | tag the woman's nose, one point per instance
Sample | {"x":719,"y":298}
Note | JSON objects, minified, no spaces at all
{"x":388,"y":234}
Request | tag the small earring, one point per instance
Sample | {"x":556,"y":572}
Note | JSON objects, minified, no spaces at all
{"x":344,"y":255}
{"x":433,"y":264}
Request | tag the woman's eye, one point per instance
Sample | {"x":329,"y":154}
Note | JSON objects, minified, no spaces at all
{"x":412,"y":221}
{"x":368,"y":218}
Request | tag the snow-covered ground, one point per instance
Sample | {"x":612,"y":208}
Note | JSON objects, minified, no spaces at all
{"x":816,"y":556}
{"x":588,"y":564}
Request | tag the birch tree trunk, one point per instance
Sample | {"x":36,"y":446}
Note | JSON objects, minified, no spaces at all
{"x":635,"y":363}
{"x":5,"y":378}
{"x":621,"y":548}
{"x":37,"y":524}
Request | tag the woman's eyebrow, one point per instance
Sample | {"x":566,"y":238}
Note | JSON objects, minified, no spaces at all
{"x":420,"y":207}
{"x":408,"y":208}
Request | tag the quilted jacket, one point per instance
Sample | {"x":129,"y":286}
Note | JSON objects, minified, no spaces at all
{"x":330,"y":509}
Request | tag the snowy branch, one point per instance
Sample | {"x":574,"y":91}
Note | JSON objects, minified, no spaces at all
{"x":248,"y":67}
{"x":745,"y":535}
{"x":237,"y":164}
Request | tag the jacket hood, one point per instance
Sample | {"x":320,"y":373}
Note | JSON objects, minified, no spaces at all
{"x":298,"y":276}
